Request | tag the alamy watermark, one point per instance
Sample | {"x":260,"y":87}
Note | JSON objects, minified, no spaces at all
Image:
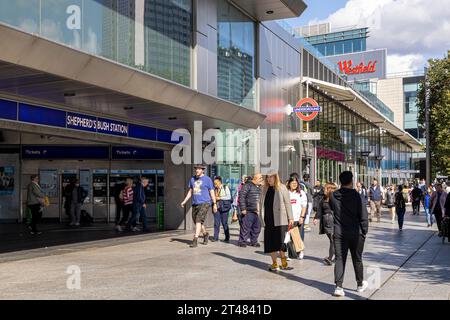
{"x":74,"y":280}
{"x":229,"y":146}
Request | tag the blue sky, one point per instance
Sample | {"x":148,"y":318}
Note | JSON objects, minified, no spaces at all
{"x":412,"y":31}
{"x":317,"y":9}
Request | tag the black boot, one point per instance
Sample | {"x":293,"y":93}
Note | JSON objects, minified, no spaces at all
{"x":205,"y":238}
{"x":194,"y":243}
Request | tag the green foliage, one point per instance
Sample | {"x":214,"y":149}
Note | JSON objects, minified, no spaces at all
{"x":439,"y":101}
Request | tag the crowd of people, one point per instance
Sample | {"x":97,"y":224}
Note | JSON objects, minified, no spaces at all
{"x":343,"y":213}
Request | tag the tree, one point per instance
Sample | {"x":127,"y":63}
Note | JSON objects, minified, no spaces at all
{"x":439,"y":101}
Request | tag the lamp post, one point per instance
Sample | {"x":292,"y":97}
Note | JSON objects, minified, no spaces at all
{"x":427,"y":128}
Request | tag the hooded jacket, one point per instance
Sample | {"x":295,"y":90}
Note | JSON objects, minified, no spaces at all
{"x":350,"y":216}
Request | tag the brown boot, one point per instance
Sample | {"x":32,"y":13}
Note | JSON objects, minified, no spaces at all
{"x":205,"y":238}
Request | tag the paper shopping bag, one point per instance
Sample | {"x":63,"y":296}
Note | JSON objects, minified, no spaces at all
{"x":297,"y":240}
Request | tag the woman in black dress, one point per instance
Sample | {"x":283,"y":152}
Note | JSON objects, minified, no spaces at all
{"x":277,"y":219}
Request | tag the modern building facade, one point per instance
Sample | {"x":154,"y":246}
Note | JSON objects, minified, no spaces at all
{"x":96,"y":89}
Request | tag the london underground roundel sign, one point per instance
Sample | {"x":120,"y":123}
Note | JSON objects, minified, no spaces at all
{"x":307,"y":109}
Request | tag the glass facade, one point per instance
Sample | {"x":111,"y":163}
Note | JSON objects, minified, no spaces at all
{"x":342,"y":42}
{"x":236,"y":56}
{"x":151,"y":35}
{"x":349,"y":142}
{"x":411,"y":111}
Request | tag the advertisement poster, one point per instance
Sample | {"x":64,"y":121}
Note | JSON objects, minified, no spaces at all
{"x":6,"y":181}
{"x":49,"y":182}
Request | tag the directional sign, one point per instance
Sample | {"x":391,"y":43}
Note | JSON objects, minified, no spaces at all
{"x":307,"y":105}
{"x":309,"y":136}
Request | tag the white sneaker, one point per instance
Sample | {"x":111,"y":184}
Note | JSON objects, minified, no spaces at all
{"x":119,"y":228}
{"x":363,"y":288}
{"x":77,"y":224}
{"x":287,"y":258}
{"x":301,"y":255}
{"x":135,"y":229}
{"x":339,"y":292}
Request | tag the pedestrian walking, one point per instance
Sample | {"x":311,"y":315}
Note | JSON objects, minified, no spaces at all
{"x":35,"y":203}
{"x":127,"y":199}
{"x":139,"y":206}
{"x":245,"y":179}
{"x":350,"y":230}
{"x":118,"y":200}
{"x":326,"y":218}
{"x":309,"y":193}
{"x":416,"y":196}
{"x":438,"y":199}
{"x":76,"y":200}
{"x":201,"y":189}
{"x":427,"y":209}
{"x":223,"y":198}
{"x":277,"y":218}
{"x":249,"y":197}
{"x":390,"y":203}
{"x":375,"y":199}
{"x":318,"y":194}
{"x":400,"y":206}
{"x":299,"y":203}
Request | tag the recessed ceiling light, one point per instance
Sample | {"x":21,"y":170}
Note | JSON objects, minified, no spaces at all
{"x":269,"y":12}
{"x":69,"y":94}
{"x":172,"y":118}
{"x":128,"y":108}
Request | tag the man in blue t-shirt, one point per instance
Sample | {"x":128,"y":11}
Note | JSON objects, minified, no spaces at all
{"x":201,"y":189}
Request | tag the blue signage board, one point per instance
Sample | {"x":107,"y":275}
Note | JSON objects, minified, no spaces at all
{"x":141,"y":132}
{"x":65,"y":152}
{"x":308,"y":109}
{"x":28,"y":113}
{"x":8,"y":110}
{"x":112,"y":127}
{"x":165,"y":136}
{"x":134,"y":153}
{"x":81,"y":122}
{"x":39,"y":115}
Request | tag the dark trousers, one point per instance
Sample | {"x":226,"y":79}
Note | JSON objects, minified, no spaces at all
{"x":438,"y":216}
{"x":250,"y":228}
{"x":119,"y":209}
{"x":331,"y":249}
{"x":400,"y":216}
{"x":36,"y":215}
{"x":127,"y":209}
{"x":341,"y":245}
{"x":416,"y":207}
{"x":221,"y":218}
{"x":138,"y":213}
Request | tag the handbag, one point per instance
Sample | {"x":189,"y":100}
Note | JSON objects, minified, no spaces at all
{"x":46,"y":201}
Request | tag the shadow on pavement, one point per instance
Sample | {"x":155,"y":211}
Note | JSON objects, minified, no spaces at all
{"x":322,"y":286}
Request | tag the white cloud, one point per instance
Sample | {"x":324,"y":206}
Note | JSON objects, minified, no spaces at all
{"x":407,"y":28}
{"x":401,"y":63}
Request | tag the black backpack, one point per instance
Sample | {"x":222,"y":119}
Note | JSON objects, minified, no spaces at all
{"x":400,"y":200}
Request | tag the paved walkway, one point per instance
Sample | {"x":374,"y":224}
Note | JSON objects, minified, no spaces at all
{"x":412,"y":264}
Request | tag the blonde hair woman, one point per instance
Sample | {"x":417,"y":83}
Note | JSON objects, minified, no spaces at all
{"x":276,"y":217}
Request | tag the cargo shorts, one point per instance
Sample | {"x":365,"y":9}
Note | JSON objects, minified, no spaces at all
{"x":199,"y":212}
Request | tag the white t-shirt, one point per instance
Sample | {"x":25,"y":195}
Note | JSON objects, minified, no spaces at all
{"x":298,"y":201}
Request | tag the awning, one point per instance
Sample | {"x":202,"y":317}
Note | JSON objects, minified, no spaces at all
{"x":37,"y":68}
{"x":265,"y":10}
{"x":358,"y":104}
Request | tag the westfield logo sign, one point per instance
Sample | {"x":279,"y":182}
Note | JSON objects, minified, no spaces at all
{"x":348,"y":68}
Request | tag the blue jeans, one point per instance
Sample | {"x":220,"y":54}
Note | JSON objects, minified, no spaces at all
{"x":138,"y":212}
{"x":430,"y":216}
{"x":400,"y":216}
{"x":221,"y":217}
